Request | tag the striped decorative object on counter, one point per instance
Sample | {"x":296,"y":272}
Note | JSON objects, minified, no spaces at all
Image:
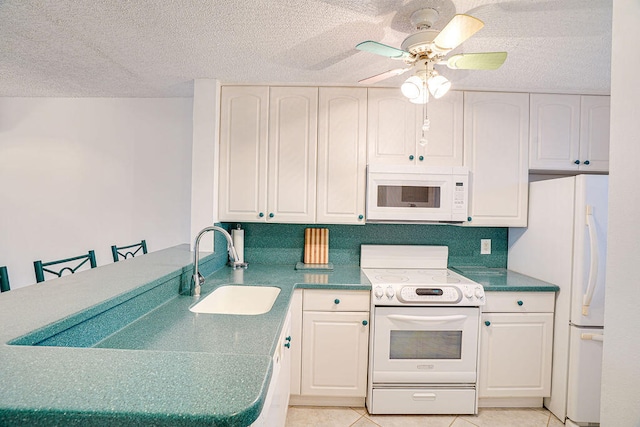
{"x":316,"y":245}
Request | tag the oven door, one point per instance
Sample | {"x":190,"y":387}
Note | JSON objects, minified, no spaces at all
{"x":425,"y":345}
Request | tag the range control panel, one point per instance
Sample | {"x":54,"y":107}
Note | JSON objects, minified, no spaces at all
{"x":460,"y":294}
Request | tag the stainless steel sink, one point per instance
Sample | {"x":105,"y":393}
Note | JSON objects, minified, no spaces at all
{"x":238,"y":299}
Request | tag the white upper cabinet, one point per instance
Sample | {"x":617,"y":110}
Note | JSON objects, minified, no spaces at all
{"x":293,"y":129}
{"x":268,"y":154}
{"x":595,"y":118}
{"x":394,"y":129}
{"x":243,"y":153}
{"x":391,"y":128}
{"x":569,"y":133}
{"x":342,"y":144}
{"x":445,"y":134}
{"x":554,"y":135}
{"x":496,"y":137}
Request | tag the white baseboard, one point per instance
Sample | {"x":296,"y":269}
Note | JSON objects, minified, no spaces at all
{"x":354,"y":402}
{"x":510,"y":402}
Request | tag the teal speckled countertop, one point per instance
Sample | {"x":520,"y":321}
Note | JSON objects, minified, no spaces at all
{"x":503,"y":280}
{"x":118,"y":345}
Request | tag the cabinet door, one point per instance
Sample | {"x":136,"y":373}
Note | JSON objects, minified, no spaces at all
{"x":445,"y":142}
{"x":496,"y":129}
{"x":291,"y":189}
{"x":594,"y":133}
{"x":276,"y":403}
{"x":296,"y":340}
{"x":334,"y":353}
{"x":515,"y":355}
{"x":391,"y":128}
{"x":554,"y":132}
{"x":243,"y":153}
{"x":342,"y":154}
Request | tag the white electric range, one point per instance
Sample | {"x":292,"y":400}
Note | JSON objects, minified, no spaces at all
{"x":425,"y":329}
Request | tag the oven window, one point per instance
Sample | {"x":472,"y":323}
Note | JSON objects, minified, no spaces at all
{"x":405,"y":196}
{"x":425,"y":345}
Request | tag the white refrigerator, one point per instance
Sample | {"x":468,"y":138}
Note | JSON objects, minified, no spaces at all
{"x":565,"y":243}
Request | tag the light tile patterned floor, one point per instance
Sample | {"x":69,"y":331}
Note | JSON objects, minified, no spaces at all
{"x":314,"y":416}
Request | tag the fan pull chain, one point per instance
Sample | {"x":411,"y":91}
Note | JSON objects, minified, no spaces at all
{"x":426,"y":125}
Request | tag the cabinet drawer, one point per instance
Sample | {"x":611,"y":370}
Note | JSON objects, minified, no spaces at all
{"x":335,"y":300}
{"x":520,"y":302}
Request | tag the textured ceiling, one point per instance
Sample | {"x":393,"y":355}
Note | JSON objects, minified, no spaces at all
{"x":155,"y":48}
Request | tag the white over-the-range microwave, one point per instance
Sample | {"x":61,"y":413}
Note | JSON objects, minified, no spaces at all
{"x":417,"y":193}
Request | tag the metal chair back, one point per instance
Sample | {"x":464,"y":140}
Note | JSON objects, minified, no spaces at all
{"x":130,"y":250}
{"x":70,"y":266}
{"x":4,"y":279}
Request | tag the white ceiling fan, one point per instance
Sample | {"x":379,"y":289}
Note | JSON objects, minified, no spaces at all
{"x":428,"y":47}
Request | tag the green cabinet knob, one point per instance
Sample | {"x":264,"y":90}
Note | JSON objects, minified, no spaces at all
{"x":577,"y":162}
{"x":261,"y":214}
{"x":421,"y":158}
{"x":288,"y":339}
{"x":411,"y":157}
{"x":365,"y":323}
{"x":336,"y":301}
{"x":360,"y":216}
{"x":271,"y":215}
{"x":469,"y":219}
{"x":287,"y":345}
{"x":486,"y":322}
{"x":586,"y":162}
{"x":520,"y":302}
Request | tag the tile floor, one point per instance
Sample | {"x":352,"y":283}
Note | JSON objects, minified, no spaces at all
{"x":308,"y":416}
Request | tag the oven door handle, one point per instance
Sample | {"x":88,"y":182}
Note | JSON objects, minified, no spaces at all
{"x":439,"y":319}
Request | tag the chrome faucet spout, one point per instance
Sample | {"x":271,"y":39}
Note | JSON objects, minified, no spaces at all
{"x":197,"y":279}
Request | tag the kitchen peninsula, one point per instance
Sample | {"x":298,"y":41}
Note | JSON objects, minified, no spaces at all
{"x":185,"y":369}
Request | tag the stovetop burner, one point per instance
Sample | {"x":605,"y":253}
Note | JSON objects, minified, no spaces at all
{"x":427,"y":277}
{"x":389,"y":278}
{"x":421,"y":277}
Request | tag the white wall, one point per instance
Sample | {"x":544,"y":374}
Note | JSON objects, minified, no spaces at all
{"x":204,"y":180}
{"x":621,"y":365}
{"x":85,"y":173}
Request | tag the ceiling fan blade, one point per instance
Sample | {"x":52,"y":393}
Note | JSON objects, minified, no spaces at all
{"x":477,"y":61}
{"x":460,"y":28}
{"x":382,"y":76}
{"x":382,"y":49}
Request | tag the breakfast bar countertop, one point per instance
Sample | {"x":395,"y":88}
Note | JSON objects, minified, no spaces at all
{"x":117,"y":344}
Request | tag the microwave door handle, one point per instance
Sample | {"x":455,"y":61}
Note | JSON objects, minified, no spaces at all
{"x":440,"y":319}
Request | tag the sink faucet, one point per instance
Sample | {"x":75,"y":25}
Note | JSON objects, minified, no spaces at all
{"x":197,"y":280}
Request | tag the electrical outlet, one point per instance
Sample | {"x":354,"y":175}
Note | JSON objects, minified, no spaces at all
{"x":485,"y":246}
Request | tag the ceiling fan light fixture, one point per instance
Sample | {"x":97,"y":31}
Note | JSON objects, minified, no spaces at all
{"x":422,"y":98}
{"x":438,"y":86}
{"x":412,"y":87}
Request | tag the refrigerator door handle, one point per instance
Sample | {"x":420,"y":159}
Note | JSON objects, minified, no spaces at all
{"x":592,"y":337}
{"x":593,"y":267}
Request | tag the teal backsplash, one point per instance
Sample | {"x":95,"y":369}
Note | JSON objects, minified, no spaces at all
{"x":284,"y":243}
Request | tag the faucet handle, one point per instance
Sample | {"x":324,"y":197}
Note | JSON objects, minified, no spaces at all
{"x":197,"y":282}
{"x":236,"y":264}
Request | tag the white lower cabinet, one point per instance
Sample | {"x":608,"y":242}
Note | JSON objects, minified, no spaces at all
{"x":334,"y":355}
{"x":276,"y":403}
{"x":516,"y":341}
